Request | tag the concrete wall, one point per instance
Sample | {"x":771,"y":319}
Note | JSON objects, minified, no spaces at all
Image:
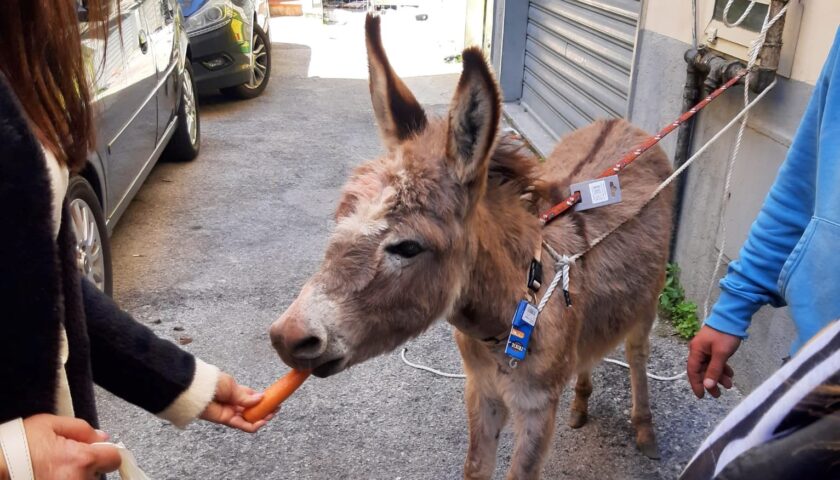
{"x":659,"y":78}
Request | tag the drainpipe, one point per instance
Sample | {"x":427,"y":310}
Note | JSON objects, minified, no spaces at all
{"x":705,"y":71}
{"x":691,"y":95}
{"x":771,"y":51}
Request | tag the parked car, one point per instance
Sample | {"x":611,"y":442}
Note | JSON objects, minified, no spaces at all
{"x":144,"y":96}
{"x":230,"y":44}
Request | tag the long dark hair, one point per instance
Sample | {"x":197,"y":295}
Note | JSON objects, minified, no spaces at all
{"x":41,"y":57}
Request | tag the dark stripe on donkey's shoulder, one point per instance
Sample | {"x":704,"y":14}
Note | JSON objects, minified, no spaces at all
{"x":597,"y":145}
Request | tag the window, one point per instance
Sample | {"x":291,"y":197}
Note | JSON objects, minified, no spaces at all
{"x":735,"y":41}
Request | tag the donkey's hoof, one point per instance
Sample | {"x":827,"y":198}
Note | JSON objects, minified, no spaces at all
{"x":649,"y":448}
{"x":577,"y":419}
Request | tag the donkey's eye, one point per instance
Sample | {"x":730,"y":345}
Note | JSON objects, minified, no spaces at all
{"x":405,"y":249}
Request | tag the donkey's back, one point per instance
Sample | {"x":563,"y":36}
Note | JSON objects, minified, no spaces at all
{"x":615,"y":286}
{"x":620,"y":280}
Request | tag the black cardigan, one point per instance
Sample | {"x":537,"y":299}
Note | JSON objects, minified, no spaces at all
{"x":40,"y":289}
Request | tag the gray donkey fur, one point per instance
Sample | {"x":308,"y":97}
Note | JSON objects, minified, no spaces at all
{"x":444,"y":226}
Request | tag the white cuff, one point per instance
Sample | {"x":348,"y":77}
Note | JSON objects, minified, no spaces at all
{"x":192,"y":401}
{"x":15,"y":450}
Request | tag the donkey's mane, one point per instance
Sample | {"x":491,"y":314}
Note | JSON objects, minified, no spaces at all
{"x":513,"y":168}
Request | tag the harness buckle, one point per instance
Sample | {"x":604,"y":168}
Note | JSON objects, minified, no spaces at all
{"x":535,"y":275}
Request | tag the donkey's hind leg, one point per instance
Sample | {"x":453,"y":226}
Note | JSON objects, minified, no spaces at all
{"x":637,"y":350}
{"x":580,"y":406}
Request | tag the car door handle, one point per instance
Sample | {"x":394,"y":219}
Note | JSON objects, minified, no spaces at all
{"x":144,"y":42}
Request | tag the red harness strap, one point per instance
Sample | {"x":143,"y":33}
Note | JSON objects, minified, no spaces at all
{"x":560,"y":208}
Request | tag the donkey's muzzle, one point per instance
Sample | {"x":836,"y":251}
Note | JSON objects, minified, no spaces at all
{"x":293,"y":340}
{"x":302,"y":335}
{"x":306,"y":349}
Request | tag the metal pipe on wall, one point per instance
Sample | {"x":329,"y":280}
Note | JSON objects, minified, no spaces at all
{"x":709,"y":69}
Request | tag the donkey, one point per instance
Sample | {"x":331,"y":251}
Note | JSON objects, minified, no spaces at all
{"x":444,"y":226}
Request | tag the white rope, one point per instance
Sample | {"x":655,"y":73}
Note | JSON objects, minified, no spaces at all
{"x":741,"y":19}
{"x":551,"y":287}
{"x":429,"y":369}
{"x":551,"y":251}
{"x":562,"y":266}
{"x":650,"y":375}
{"x":461,"y":375}
{"x":754,"y":50}
{"x":565,"y":265}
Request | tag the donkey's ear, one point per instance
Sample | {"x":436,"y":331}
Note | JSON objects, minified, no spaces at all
{"x":398,"y":113}
{"x":473,"y":118}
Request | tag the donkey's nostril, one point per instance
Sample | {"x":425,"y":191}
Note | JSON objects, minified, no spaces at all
{"x":307,"y":348}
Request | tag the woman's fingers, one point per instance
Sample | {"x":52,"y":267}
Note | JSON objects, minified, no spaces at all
{"x":104,"y":459}
{"x":75,"y":429}
{"x":245,"y":425}
{"x":230,"y":392}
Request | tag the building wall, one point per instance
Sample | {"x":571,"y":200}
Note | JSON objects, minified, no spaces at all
{"x":658,"y":82}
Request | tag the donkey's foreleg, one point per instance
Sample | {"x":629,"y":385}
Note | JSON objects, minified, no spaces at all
{"x":486,"y":415}
{"x":580,"y":406}
{"x":637,"y":350}
{"x":533,"y":422}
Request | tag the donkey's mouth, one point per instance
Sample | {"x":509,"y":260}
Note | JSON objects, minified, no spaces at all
{"x":330,"y":368}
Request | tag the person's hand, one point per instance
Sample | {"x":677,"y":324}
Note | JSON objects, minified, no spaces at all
{"x":708,"y":352}
{"x":230,"y":401}
{"x":60,"y":447}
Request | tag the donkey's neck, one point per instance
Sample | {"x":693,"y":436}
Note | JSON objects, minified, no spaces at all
{"x":504,"y":236}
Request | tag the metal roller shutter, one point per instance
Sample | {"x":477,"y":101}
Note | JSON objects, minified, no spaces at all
{"x":578,"y":58}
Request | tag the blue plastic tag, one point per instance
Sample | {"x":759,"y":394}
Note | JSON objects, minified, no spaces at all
{"x":520,"y":331}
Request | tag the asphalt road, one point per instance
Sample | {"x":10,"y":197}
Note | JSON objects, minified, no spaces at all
{"x":214,"y":250}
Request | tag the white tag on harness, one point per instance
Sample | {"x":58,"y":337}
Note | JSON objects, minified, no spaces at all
{"x":529,"y":316}
{"x":597,"y":193}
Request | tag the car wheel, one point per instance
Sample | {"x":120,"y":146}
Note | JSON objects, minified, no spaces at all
{"x":261,"y":68}
{"x":93,"y":246}
{"x":186,"y":141}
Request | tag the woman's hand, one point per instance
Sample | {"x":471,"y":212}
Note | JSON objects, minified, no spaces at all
{"x":230,"y":401}
{"x":60,"y":447}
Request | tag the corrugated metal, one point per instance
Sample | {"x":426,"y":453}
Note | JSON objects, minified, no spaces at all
{"x":578,"y":58}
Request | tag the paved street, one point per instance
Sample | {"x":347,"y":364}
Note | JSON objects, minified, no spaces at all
{"x":215,"y":250}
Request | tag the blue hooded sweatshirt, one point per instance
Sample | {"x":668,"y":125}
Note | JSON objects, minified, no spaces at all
{"x":791,"y":255}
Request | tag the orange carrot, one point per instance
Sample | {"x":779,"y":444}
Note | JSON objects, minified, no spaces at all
{"x":276,"y":394}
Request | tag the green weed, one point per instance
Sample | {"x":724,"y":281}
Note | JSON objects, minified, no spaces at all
{"x":673,"y":306}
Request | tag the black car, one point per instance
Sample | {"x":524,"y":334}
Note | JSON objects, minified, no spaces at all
{"x":230,"y":45}
{"x":144,"y":96}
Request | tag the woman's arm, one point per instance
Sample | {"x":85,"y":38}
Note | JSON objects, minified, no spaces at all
{"x":129,"y":360}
